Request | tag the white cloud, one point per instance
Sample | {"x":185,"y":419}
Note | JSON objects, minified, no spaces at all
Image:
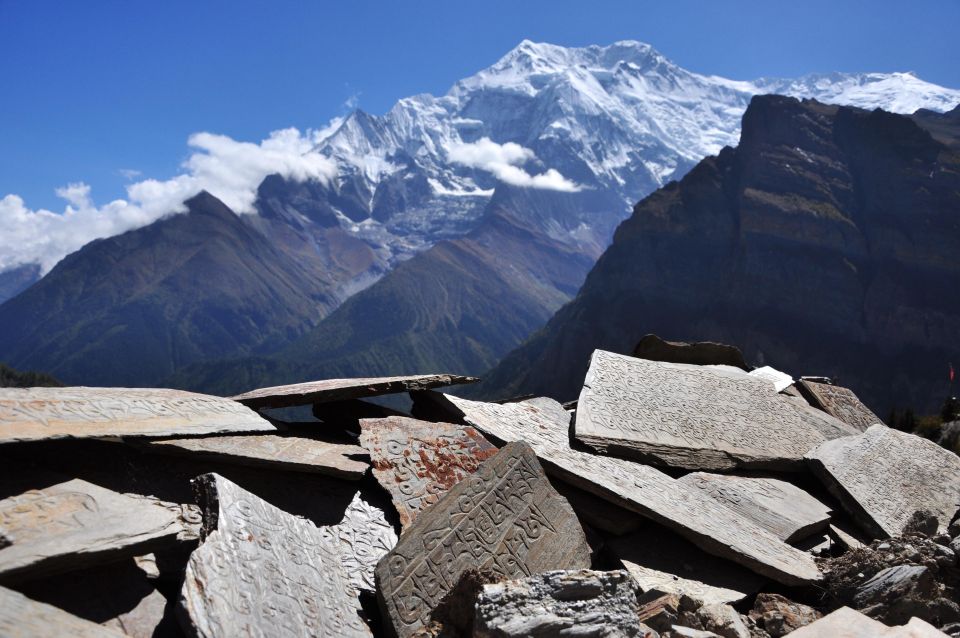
{"x":130,"y":173}
{"x":505,"y":161}
{"x":228,"y":169}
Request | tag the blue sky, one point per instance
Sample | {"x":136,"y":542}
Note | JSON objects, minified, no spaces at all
{"x":92,"y":88}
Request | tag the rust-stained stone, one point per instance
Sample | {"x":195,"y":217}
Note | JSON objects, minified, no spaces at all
{"x":342,"y":389}
{"x":840,"y":402}
{"x":77,"y":524}
{"x":21,"y":617}
{"x":504,"y":518}
{"x":418,"y":461}
{"x":282,"y":452}
{"x":260,"y":571}
{"x":33,"y":414}
{"x":640,"y":488}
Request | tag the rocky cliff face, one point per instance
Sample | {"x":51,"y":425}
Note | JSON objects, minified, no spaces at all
{"x":827,"y":242}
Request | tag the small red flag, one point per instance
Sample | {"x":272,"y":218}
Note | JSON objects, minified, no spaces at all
{"x":951,"y":373}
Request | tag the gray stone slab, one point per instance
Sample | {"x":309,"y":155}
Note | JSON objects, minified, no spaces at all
{"x":418,"y":461}
{"x":505,"y":518}
{"x":780,"y":507}
{"x":661,"y":561}
{"x":848,"y":623}
{"x":560,"y":603}
{"x":21,"y":617}
{"x":77,"y":524}
{"x":283,"y":452}
{"x":365,"y":537}
{"x":342,"y":389}
{"x":840,"y":402}
{"x":883,"y":476}
{"x":780,"y":380}
{"x":261,"y":571}
{"x":597,"y":512}
{"x":694,"y":417}
{"x":640,"y":488}
{"x":34,"y":414}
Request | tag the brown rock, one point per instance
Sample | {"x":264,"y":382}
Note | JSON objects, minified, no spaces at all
{"x":701,"y":353}
{"x":778,"y":616}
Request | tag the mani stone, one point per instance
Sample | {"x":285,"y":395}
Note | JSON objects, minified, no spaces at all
{"x":780,"y":507}
{"x":418,"y":461}
{"x":715,"y":529}
{"x":260,"y":571}
{"x":505,"y":519}
{"x":560,"y":603}
{"x":848,"y":623}
{"x":365,"y":537}
{"x":34,"y":414}
{"x":285,"y":396}
{"x":21,"y":617}
{"x":840,"y":402}
{"x":780,"y":380}
{"x":661,"y":561}
{"x":694,"y":417}
{"x":281,"y":452}
{"x":78,"y":524}
{"x":883,"y":476}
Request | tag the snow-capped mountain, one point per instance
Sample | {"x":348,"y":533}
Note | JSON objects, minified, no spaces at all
{"x":618,"y":121}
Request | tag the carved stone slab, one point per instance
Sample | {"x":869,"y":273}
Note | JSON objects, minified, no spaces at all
{"x":341,"y":389}
{"x":365,"y":537}
{"x":661,"y":561}
{"x":560,"y":603}
{"x":76,"y":524}
{"x":260,"y":571}
{"x":21,"y":617}
{"x":780,"y":380}
{"x":839,"y":402}
{"x":505,"y":518}
{"x":418,"y":461}
{"x":694,"y":417}
{"x":282,"y":452}
{"x":787,"y":511}
{"x":640,"y":488}
{"x":33,"y":414}
{"x":883,"y":476}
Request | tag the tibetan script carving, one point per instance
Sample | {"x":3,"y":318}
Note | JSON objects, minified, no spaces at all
{"x":32,"y":414}
{"x":418,"y":461}
{"x":297,"y":453}
{"x":694,"y":417}
{"x":341,"y":389}
{"x":640,"y":488}
{"x":76,"y":524}
{"x":787,"y":511}
{"x":21,"y":617}
{"x":883,"y":476}
{"x":504,"y":518}
{"x":365,"y":537}
{"x":263,"y":572}
{"x":839,"y":402}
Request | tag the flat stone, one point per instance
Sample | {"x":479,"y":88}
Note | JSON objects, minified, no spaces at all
{"x":283,"y":452}
{"x":597,"y":512}
{"x":780,"y":380}
{"x":34,"y":414}
{"x":848,"y":623}
{"x":844,"y":535}
{"x":560,"y":603}
{"x":894,"y":583}
{"x":723,"y":620}
{"x":365,"y":537}
{"x":21,"y":617}
{"x":77,"y":524}
{"x":327,"y":390}
{"x":640,"y":488}
{"x":418,"y":461}
{"x":261,"y":571}
{"x":883,"y":476}
{"x":701,"y":353}
{"x":505,"y":518}
{"x":787,"y":511}
{"x":839,"y":402}
{"x":661,"y":561}
{"x":695,"y":417}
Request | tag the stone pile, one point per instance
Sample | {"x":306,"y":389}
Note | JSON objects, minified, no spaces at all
{"x":682,"y":494}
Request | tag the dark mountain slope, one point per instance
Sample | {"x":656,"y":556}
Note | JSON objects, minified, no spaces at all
{"x":131,"y":309}
{"x":458,"y":306}
{"x":827,"y":243}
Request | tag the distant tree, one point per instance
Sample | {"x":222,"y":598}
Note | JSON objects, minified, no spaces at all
{"x":10,"y":378}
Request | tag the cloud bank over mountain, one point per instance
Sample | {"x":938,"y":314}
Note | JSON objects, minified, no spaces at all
{"x":229,"y":169}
